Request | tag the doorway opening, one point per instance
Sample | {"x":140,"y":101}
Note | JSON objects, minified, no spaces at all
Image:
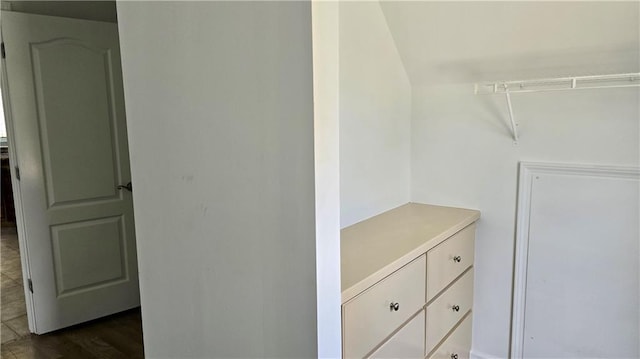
{"x":13,"y":307}
{"x":69,"y":266}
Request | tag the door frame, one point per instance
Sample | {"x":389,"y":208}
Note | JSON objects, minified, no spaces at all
{"x":527,"y":172}
{"x":17,"y":195}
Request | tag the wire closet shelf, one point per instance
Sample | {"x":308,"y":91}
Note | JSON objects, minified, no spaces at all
{"x":560,"y":83}
{"x":554,"y":84}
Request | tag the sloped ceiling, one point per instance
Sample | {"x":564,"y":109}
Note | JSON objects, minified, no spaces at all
{"x":457,"y":42}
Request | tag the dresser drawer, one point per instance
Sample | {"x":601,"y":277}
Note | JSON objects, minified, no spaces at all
{"x":448,"y":260}
{"x":369,"y":318}
{"x":445,"y":312}
{"x":407,"y":343}
{"x":458,"y":344}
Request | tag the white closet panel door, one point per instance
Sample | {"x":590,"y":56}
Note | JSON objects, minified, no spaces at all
{"x":582,"y":283}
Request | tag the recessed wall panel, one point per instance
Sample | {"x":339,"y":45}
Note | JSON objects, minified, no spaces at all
{"x":77,"y":143}
{"x":88,"y":254}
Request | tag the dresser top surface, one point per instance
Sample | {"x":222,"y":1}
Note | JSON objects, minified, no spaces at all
{"x":381,"y":244}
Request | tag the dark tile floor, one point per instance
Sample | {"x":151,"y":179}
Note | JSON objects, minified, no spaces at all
{"x":13,"y":309}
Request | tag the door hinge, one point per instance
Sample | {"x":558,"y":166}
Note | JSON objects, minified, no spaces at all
{"x":30,"y":285}
{"x":18,"y":173}
{"x":4,"y":54}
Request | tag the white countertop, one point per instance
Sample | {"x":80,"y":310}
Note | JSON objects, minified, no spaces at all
{"x":378,"y":246}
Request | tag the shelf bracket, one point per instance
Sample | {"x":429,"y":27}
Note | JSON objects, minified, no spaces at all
{"x":514,"y":129}
{"x":555,"y":84}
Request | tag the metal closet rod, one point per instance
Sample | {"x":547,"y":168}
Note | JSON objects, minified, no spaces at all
{"x":554,"y":84}
{"x":560,"y":83}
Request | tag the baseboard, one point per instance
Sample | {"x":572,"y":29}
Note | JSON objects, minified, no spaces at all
{"x":480,"y":355}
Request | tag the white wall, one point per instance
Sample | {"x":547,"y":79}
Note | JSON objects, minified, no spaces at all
{"x":463,"y":155}
{"x":375,"y":115}
{"x":469,"y":41}
{"x":220,"y":112}
{"x":327,"y":172}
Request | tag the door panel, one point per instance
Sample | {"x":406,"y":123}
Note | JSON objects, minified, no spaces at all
{"x":88,"y":254}
{"x":65,"y":90}
{"x":582,"y":290}
{"x":78,"y":143}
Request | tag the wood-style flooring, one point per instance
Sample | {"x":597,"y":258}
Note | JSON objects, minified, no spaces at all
{"x":14,"y":314}
{"x":116,"y":336}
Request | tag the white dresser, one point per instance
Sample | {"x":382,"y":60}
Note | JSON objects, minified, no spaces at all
{"x":407,"y":283}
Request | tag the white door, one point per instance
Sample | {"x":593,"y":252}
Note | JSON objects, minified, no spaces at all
{"x":67,"y":109}
{"x":579,"y":247}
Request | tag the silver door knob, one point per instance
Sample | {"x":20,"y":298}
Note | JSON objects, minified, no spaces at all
{"x":457,"y":259}
{"x":456,"y":308}
{"x":454,"y":356}
{"x":394,"y":307}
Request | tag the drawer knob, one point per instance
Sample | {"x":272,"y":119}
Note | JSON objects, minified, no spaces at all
{"x":457,"y":259}
{"x":394,"y":307}
{"x":456,"y":308}
{"x":454,"y":356}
